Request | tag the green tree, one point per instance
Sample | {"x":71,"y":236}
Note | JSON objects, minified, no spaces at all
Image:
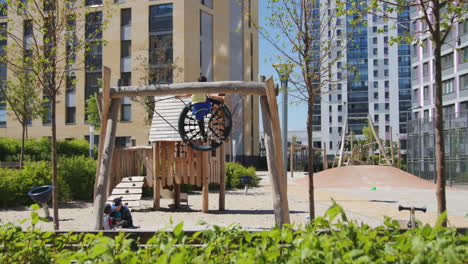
{"x":304,"y":33}
{"x":437,"y":18}
{"x":92,"y":111}
{"x":45,"y":32}
{"x":23,"y":98}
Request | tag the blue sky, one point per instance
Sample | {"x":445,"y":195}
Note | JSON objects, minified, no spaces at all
{"x":297,"y":114}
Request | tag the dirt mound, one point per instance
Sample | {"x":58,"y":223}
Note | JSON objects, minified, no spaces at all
{"x":367,"y":176}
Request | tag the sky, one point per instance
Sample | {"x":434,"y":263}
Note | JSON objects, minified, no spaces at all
{"x":297,"y":114}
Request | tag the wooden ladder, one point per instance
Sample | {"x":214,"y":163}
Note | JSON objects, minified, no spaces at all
{"x":130,"y":190}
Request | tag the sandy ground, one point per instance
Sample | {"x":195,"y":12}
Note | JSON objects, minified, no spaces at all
{"x":255,"y":210}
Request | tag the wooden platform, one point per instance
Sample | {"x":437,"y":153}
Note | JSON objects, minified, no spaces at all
{"x":130,"y":190}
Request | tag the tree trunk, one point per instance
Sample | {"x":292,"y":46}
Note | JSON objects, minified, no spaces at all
{"x":23,"y":134}
{"x":54,"y":163}
{"x":439,"y":125}
{"x":310,"y":159}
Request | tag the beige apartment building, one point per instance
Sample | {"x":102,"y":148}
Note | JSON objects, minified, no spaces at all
{"x":215,"y":38}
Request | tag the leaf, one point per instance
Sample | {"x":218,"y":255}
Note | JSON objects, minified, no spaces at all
{"x":201,"y":222}
{"x":178,"y":229}
{"x":35,"y":207}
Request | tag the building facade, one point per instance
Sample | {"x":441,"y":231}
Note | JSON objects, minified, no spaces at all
{"x":421,"y":140}
{"x":371,"y":79}
{"x":213,"y":38}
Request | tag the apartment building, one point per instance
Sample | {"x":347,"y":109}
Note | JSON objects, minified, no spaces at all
{"x":213,"y":38}
{"x":379,"y":86}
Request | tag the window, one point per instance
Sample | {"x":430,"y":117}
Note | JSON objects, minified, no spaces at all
{"x":375,"y":51}
{"x":385,"y":28}
{"x":340,"y":108}
{"x":207,"y":3}
{"x":125,"y":109}
{"x":161,"y":18}
{"x":338,"y":32}
{"x":376,"y":118}
{"x":414,"y":74}
{"x":339,"y":87}
{"x":387,"y":106}
{"x":339,"y":97}
{"x":376,"y":95}
{"x":423,"y":25}
{"x":3,"y":113}
{"x":28,"y":28}
{"x":387,"y":117}
{"x":376,"y":62}
{"x":387,"y":84}
{"x":426,"y":69}
{"x":447,"y":86}
{"x":70,"y":101}
{"x":385,"y":40}
{"x":464,"y":55}
{"x":375,"y":18}
{"x":374,"y":29}
{"x":93,"y":2}
{"x":338,"y":64}
{"x":425,"y":46}
{"x":385,"y":73}
{"x":330,"y":129}
{"x":125,"y":49}
{"x":463,"y":28}
{"x":330,"y":119}
{"x":376,"y":106}
{"x":125,"y":78}
{"x":414,"y":49}
{"x":385,"y":61}
{"x":376,"y":84}
{"x":426,"y":92}
{"x":49,"y":5}
{"x":340,"y":119}
{"x":339,"y":76}
{"x":387,"y":128}
{"x":161,"y":43}
{"x":93,"y":27}
{"x":387,"y":95}
{"x":447,"y":61}
{"x":126,"y":17}
{"x":374,"y":40}
{"x":376,"y":73}
{"x":464,"y":82}
{"x":385,"y":51}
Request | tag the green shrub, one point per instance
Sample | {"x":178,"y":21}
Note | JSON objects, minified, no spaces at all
{"x":235,"y":171}
{"x":75,"y":180}
{"x":325,"y":240}
{"x":77,"y":175}
{"x":39,"y":149}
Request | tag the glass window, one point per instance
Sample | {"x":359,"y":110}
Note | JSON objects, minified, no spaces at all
{"x":126,"y":48}
{"x":464,"y":82}
{"x":447,"y":61}
{"x":376,"y":73}
{"x":463,"y":28}
{"x":385,"y":61}
{"x":426,"y":92}
{"x":376,"y":84}
{"x":161,"y":18}
{"x":414,"y":74}
{"x":93,"y":2}
{"x":126,"y":17}
{"x":374,"y":40}
{"x":376,"y":106}
{"x":447,"y":86}
{"x":3,"y":114}
{"x":464,"y":55}
{"x":385,"y":72}
{"x":206,"y":45}
{"x":376,"y":62}
{"x":207,"y":3}
{"x":387,"y":106}
{"x":125,"y":109}
{"x":125,"y":78}
{"x":376,"y":95}
{"x":93,"y":27}
{"x":426,"y":69}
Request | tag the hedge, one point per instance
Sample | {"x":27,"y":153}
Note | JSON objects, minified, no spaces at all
{"x":345,"y":242}
{"x":234,"y":172}
{"x":75,"y":180}
{"x":39,"y":149}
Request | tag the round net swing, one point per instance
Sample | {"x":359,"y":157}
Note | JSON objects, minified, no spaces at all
{"x":208,"y":133}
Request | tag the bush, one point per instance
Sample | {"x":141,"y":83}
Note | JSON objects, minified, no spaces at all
{"x":235,"y":171}
{"x":39,"y":149}
{"x":75,"y":182}
{"x":344,"y":242}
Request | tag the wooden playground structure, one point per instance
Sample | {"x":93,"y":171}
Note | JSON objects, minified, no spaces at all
{"x":173,"y":163}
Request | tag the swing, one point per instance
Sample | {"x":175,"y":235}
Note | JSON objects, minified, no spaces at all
{"x":210,"y":132}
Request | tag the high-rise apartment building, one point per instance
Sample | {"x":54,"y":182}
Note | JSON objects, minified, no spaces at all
{"x":213,"y":38}
{"x":378,"y":87}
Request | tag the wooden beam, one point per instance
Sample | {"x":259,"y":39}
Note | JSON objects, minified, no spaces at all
{"x":273,"y":144}
{"x":379,"y":142}
{"x":343,"y":139}
{"x":106,"y":162}
{"x":222,"y":179}
{"x":226,"y":87}
{"x":204,"y":174}
{"x":103,"y":108}
{"x":391,"y":146}
{"x":156,"y":175}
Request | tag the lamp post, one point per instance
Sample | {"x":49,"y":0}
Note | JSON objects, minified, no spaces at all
{"x":283,"y":70}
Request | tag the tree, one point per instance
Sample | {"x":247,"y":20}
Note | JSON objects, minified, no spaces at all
{"x":304,"y":33}
{"x":24,"y":101}
{"x":437,"y":18}
{"x":45,"y":32}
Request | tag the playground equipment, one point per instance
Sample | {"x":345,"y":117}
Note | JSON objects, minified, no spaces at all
{"x":42,"y":195}
{"x":207,"y":134}
{"x":246,"y":180}
{"x":412,"y":222}
{"x":109,"y":106}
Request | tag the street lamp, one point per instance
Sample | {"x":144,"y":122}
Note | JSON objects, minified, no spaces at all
{"x":284,"y":70}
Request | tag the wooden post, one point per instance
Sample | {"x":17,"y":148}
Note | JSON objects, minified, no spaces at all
{"x":156,"y":175}
{"x":222,"y":179}
{"x":399,"y":153}
{"x":103,"y":109}
{"x":379,"y":142}
{"x":106,"y":162}
{"x":391,"y":146}
{"x":343,"y":140}
{"x":325,"y":158}
{"x":274,"y":154}
{"x":204,"y":174}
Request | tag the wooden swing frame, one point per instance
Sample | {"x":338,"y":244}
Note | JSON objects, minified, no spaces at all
{"x":109,"y":106}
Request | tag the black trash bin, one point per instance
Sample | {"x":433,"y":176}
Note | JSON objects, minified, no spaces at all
{"x":246,"y":181}
{"x":42,"y":195}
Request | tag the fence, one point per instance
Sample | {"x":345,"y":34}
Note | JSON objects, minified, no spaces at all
{"x":421,"y":148}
